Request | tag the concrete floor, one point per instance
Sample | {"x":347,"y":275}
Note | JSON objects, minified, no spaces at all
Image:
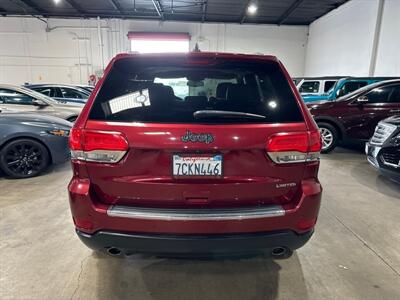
{"x":354,"y":254}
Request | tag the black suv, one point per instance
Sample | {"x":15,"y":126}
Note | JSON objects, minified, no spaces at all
{"x":383,"y":149}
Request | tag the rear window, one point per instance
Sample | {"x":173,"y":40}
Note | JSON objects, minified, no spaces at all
{"x":328,"y":85}
{"x":309,"y":87}
{"x":173,"y":90}
{"x":351,"y":86}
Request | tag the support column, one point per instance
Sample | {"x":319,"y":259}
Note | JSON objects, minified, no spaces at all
{"x":377,"y":34}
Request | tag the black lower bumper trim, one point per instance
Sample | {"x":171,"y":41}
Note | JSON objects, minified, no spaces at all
{"x":392,"y":174}
{"x":195,"y":244}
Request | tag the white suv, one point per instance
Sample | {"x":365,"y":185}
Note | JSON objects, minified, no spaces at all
{"x":316,"y":86}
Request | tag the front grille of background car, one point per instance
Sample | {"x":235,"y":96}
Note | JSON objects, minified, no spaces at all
{"x":382,"y":132}
{"x":391,"y":159}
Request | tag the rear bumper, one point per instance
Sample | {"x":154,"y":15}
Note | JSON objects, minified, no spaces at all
{"x":92,"y":216}
{"x":195,"y":245}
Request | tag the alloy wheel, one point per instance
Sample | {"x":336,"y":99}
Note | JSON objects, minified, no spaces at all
{"x":327,"y":138}
{"x":25,"y":159}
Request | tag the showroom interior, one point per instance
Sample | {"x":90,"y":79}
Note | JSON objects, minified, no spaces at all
{"x":75,"y":174}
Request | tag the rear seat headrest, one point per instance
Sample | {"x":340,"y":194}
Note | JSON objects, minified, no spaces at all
{"x":238,"y":92}
{"x":161,"y":95}
{"x":197,"y":101}
{"x":222,"y":89}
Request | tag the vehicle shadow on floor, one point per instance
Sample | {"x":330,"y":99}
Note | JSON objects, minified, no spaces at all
{"x":52,"y":169}
{"x":251,"y":278}
{"x":366,"y":175}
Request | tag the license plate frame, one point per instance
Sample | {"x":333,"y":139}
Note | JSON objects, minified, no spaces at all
{"x":212,"y":159}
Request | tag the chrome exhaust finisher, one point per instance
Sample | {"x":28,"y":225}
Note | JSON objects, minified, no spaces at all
{"x":217,"y":214}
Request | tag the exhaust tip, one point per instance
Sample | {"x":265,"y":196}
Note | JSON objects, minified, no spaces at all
{"x":279,"y":251}
{"x":114,"y":251}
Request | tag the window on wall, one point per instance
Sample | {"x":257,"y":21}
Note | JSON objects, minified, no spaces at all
{"x":145,"y":42}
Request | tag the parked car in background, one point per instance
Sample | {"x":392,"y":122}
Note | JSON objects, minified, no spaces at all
{"x":17,"y":98}
{"x":88,"y":88}
{"x":383,"y":149}
{"x":355,"y":116}
{"x":65,"y":93}
{"x":30,"y":142}
{"x":343,"y":87}
{"x":229,"y":167}
{"x":296,"y":80}
{"x":317,"y":85}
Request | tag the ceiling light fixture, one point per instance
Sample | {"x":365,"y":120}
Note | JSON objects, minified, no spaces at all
{"x":57,"y":1}
{"x":252,"y":9}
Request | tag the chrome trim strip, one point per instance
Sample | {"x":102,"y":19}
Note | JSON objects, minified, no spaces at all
{"x":292,"y":157}
{"x":217,"y":214}
{"x":382,"y":132}
{"x":389,"y":164}
{"x":109,"y":156}
{"x":372,"y":162}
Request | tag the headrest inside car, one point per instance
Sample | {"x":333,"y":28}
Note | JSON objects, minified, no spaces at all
{"x":222,"y":88}
{"x":196,"y":102}
{"x":238,"y":92}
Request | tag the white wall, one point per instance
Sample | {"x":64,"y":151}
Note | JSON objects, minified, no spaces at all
{"x":71,"y":51}
{"x":388,"y":55}
{"x":341,"y":42}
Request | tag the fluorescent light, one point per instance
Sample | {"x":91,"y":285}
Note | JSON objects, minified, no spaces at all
{"x":156,"y":46}
{"x":57,"y":1}
{"x":252,"y":9}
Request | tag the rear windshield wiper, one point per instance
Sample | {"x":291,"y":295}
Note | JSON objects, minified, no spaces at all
{"x":208,"y":114}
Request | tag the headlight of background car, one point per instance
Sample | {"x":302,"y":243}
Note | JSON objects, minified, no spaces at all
{"x":59,"y":132}
{"x":396,"y":140}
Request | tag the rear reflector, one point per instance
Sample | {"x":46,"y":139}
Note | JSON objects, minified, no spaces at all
{"x":83,"y":224}
{"x":306,"y":224}
{"x":97,"y":146}
{"x":294,"y":147}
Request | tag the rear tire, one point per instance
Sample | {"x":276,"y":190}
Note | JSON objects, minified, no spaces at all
{"x":24,"y":158}
{"x":329,"y":135}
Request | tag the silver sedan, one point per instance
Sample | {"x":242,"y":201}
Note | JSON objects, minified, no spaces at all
{"x":21,"y":99}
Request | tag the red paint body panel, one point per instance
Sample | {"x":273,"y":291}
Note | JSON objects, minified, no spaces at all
{"x":250,"y":177}
{"x":86,"y":207}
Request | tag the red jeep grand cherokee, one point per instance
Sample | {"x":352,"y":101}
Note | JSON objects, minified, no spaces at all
{"x":195,"y":154}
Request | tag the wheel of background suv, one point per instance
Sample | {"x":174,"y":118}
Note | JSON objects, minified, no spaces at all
{"x":23,"y":158}
{"x":329,"y":137}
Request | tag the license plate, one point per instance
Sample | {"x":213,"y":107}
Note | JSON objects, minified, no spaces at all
{"x":192,"y":165}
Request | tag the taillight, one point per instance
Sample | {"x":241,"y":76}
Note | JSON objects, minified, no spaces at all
{"x":83,"y":224}
{"x":294,"y":147}
{"x":315,"y":142}
{"x":97,"y":146}
{"x":306,"y":224}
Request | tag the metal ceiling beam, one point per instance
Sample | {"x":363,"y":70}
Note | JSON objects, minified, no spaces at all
{"x":76,"y":6}
{"x":117,"y":6}
{"x":159,"y":8}
{"x":244,"y":14}
{"x":34,"y":6}
{"x":288,"y":12}
{"x":203,"y":17}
